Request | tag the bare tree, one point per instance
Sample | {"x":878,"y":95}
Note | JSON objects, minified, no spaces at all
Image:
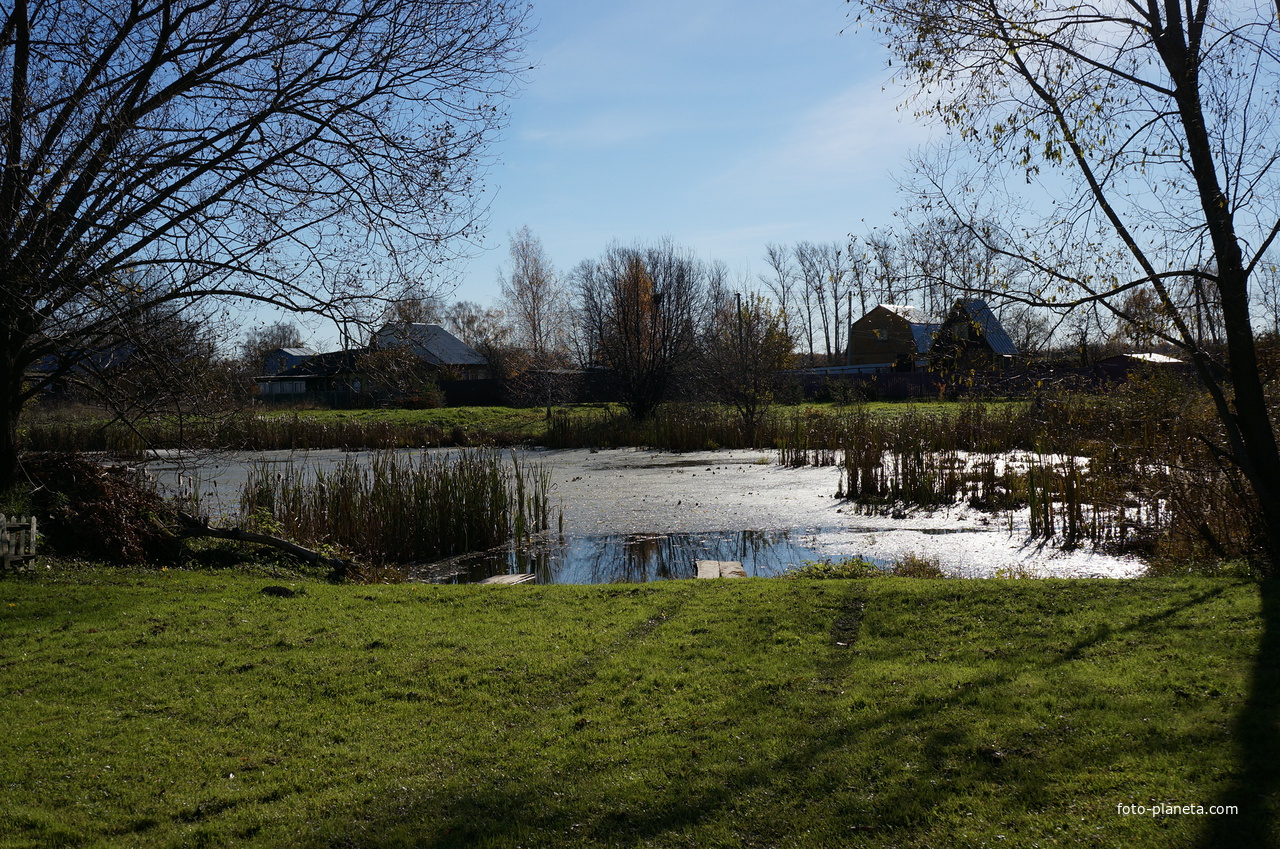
{"x":642,"y":309}
{"x":862,"y":280}
{"x":1160,"y":123}
{"x":487,"y":330}
{"x":537,"y":302}
{"x":885,"y":267}
{"x":749,"y":344}
{"x":535,"y":299}
{"x":824,"y":278}
{"x":305,"y":154}
{"x":414,"y":306}
{"x":1267,"y":285}
{"x":781,"y":283}
{"x":260,"y":341}
{"x":1030,"y":329}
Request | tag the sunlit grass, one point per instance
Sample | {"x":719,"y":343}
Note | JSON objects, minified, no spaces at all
{"x":164,"y":709}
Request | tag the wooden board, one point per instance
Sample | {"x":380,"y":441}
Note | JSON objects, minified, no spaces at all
{"x":720,"y":569}
{"x":507,"y":580}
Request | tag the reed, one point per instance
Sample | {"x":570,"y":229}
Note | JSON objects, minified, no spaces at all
{"x":400,"y":510}
{"x":1131,"y":471}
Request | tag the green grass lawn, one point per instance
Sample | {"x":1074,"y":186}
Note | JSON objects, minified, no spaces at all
{"x":189,"y":709}
{"x":528,"y":421}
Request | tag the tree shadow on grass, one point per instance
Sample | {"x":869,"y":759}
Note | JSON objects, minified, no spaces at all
{"x":1255,"y":792}
{"x":718,"y":799}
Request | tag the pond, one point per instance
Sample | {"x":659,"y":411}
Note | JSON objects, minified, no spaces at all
{"x":633,"y":558}
{"x":638,"y":515}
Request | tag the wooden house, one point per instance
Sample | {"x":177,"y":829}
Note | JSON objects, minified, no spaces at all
{"x":280,"y":359}
{"x":892,"y":336}
{"x":366,"y":375}
{"x":333,"y":378}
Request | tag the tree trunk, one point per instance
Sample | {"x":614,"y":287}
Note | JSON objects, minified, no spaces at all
{"x":11,"y":400}
{"x":339,"y":569}
{"x":9,"y":446}
{"x":1248,"y":425}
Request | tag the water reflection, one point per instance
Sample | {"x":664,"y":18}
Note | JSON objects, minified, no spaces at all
{"x":636,"y":558}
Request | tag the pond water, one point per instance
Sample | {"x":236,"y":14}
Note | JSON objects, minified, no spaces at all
{"x":639,"y":515}
{"x":633,"y":558}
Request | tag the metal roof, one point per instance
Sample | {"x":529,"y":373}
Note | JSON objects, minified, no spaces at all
{"x":431,"y":342}
{"x":977,"y":311}
{"x":913,"y":315}
{"x":924,"y":334}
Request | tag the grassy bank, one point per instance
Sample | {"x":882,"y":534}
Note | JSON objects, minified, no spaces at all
{"x":586,"y":425}
{"x":189,"y":709}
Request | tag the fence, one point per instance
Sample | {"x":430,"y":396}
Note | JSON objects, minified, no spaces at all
{"x":17,"y":540}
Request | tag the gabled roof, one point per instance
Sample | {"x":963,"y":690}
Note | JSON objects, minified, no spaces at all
{"x":923,"y":326}
{"x":977,"y":311}
{"x":913,"y":315}
{"x":80,"y":360}
{"x":1154,"y":359}
{"x":924,"y":334}
{"x":324,"y":365}
{"x":431,"y":342}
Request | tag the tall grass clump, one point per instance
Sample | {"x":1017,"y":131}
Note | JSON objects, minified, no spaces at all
{"x":1133,"y":470}
{"x":400,"y":510}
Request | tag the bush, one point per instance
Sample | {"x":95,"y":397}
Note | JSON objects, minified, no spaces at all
{"x":853,"y":567}
{"x":98,"y":512}
{"x":915,"y":566}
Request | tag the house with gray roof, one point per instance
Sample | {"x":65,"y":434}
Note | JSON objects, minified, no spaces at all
{"x":280,"y":359}
{"x":971,"y":337}
{"x":434,"y":345}
{"x":366,"y":375}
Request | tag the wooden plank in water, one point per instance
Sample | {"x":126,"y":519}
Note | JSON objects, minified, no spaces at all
{"x":507,"y":580}
{"x":720,"y":569}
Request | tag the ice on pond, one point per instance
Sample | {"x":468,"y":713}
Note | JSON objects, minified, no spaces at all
{"x":632,"y":514}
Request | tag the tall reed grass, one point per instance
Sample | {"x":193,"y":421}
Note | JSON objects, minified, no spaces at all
{"x":1131,"y":471}
{"x":399,"y":510}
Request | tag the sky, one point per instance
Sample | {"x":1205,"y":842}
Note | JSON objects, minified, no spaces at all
{"x":722,"y":124}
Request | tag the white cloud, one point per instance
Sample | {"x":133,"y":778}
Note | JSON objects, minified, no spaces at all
{"x":850,"y":139}
{"x":602,"y":129}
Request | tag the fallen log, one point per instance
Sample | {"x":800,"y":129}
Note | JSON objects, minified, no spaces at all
{"x":338,"y":568}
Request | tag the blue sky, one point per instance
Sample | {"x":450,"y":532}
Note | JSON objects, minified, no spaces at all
{"x":722,"y":124}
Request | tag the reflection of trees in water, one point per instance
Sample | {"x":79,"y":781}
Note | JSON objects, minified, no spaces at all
{"x":541,"y":557}
{"x":638,"y":558}
{"x":652,"y":557}
{"x":634,"y":558}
